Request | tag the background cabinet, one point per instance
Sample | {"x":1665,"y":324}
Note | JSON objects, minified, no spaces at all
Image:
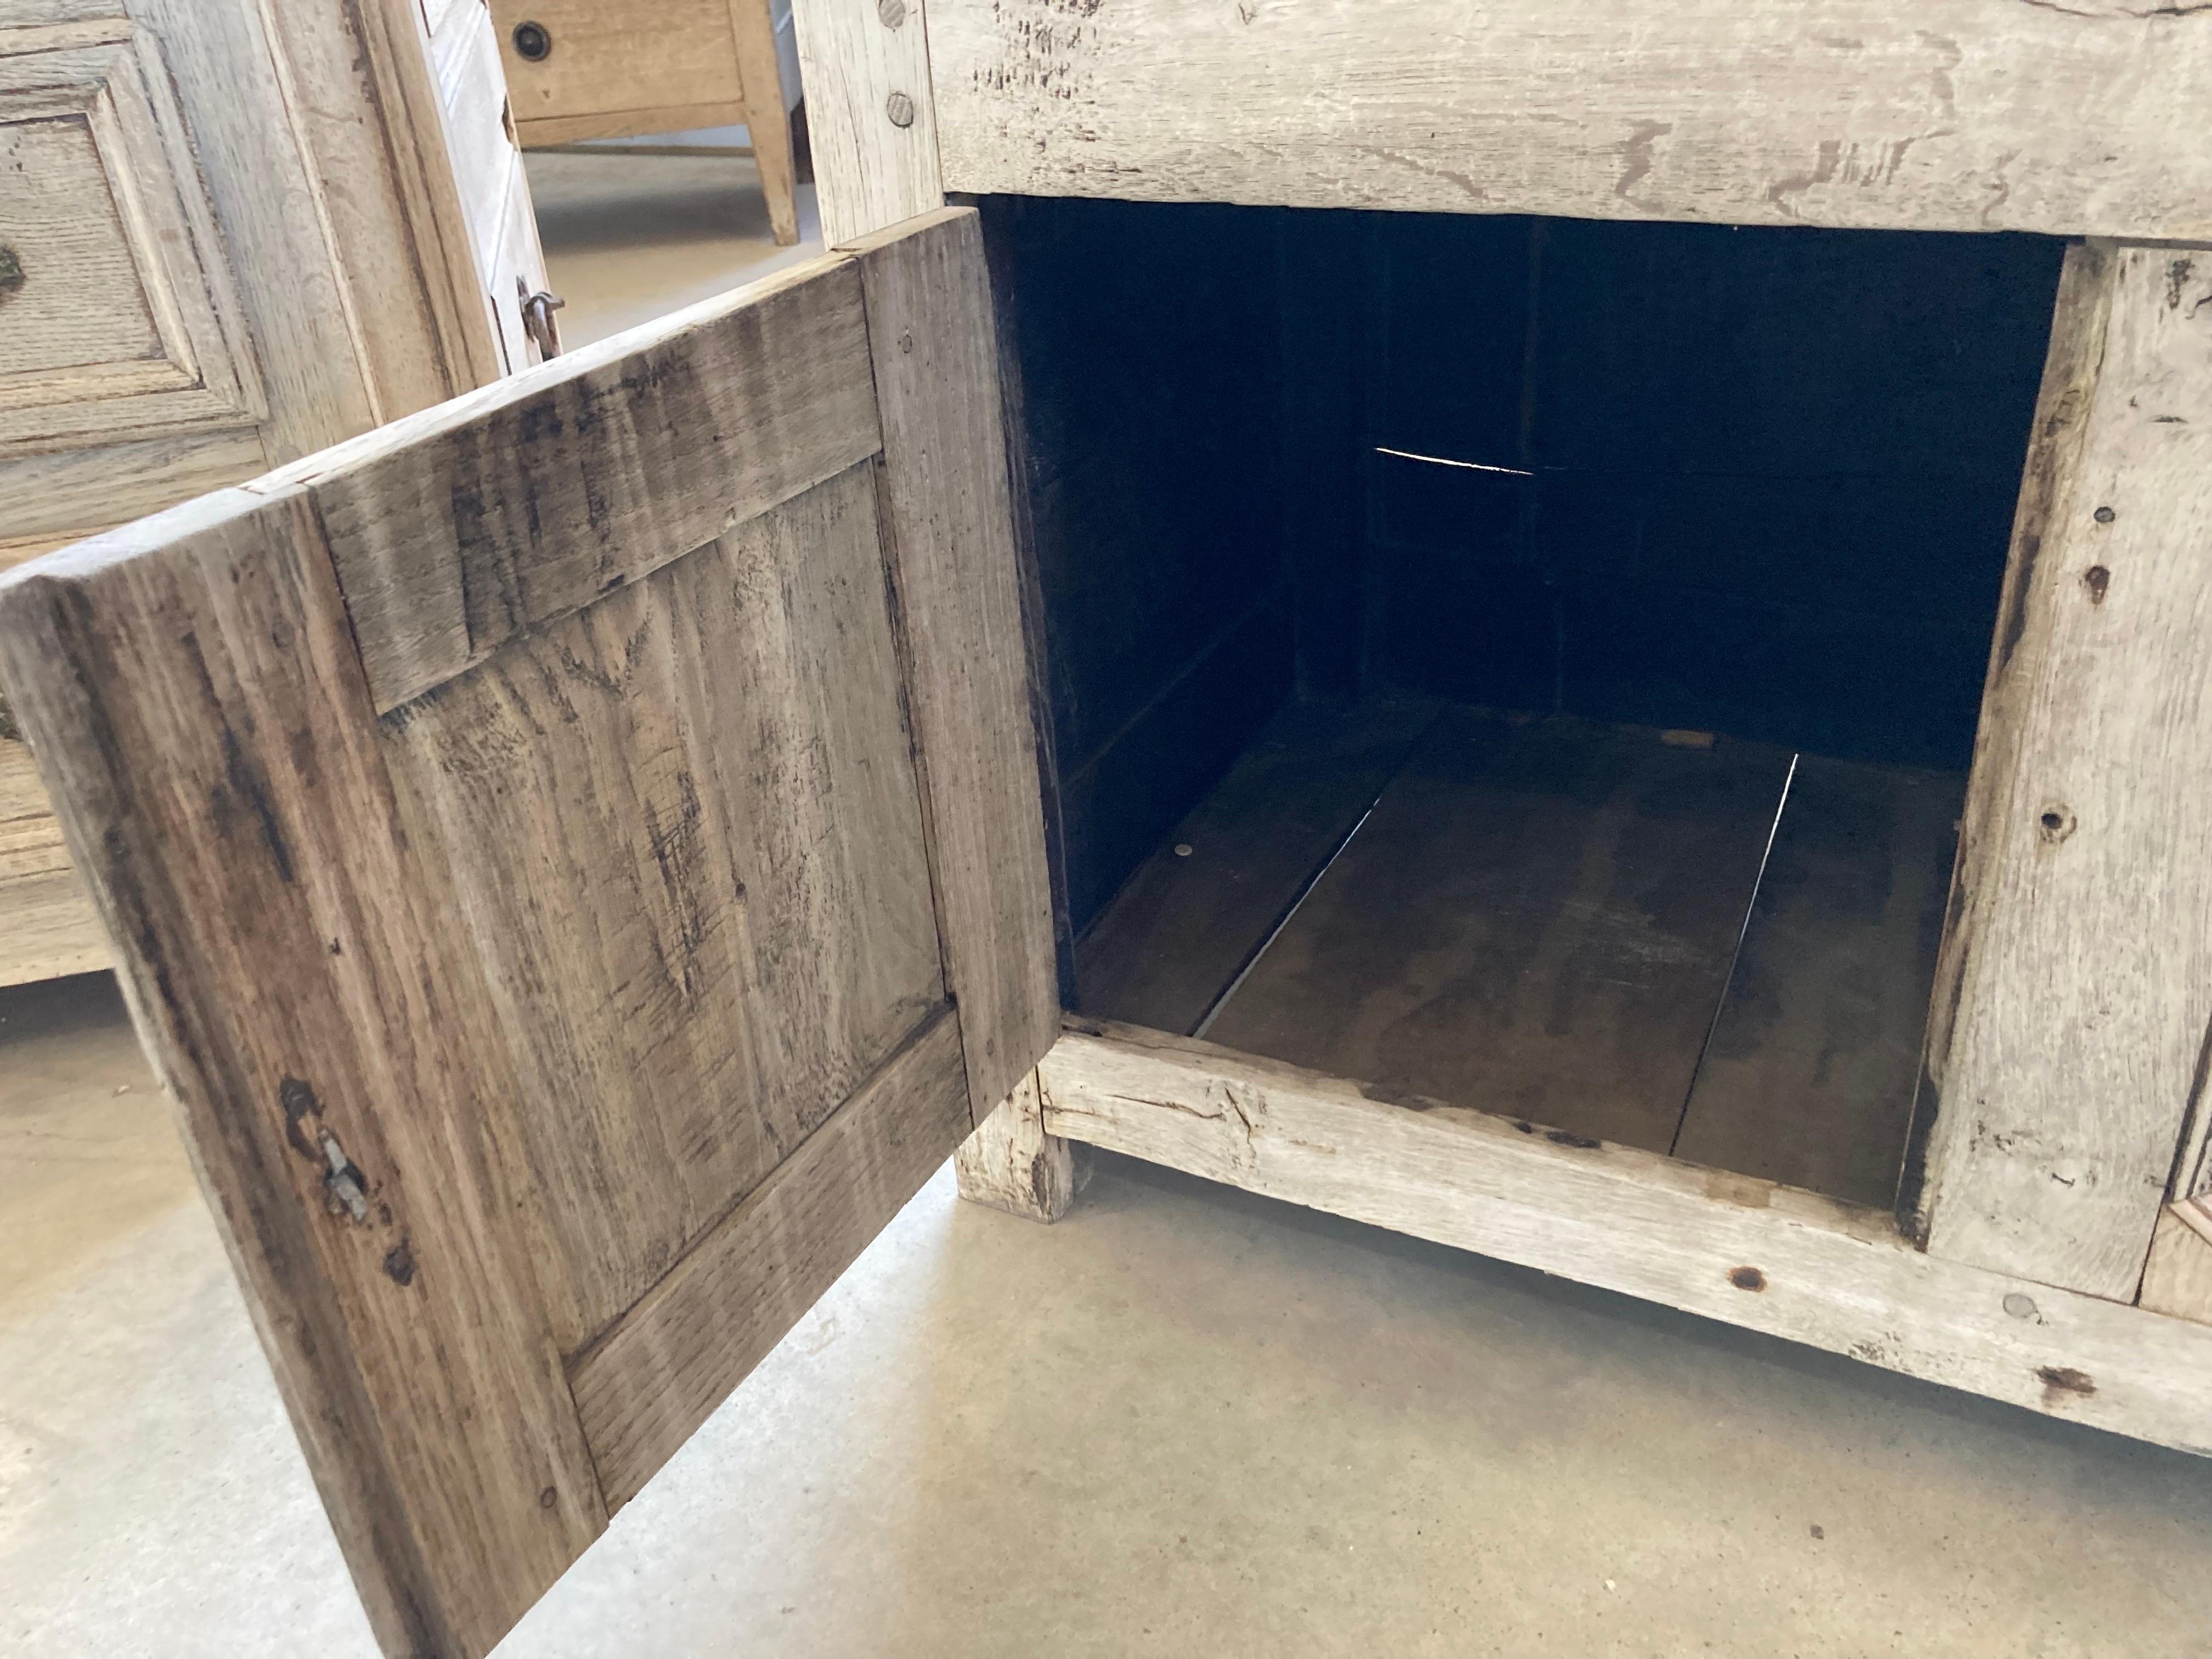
{"x":589,"y":69}
{"x":205,"y":272}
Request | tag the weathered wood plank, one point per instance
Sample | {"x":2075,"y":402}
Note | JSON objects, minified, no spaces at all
{"x":2072,"y":1006}
{"x":456,"y":529}
{"x":193,"y":693}
{"x":870,"y":114}
{"x":1808,"y":1078}
{"x":1725,"y":1246}
{"x":1538,"y":917}
{"x":1182,"y":926}
{"x":1913,"y":114}
{"x":2178,"y":1278}
{"x":677,"y":1354}
{"x":949,"y":535}
{"x":685,"y":832}
{"x":1011,"y":1163}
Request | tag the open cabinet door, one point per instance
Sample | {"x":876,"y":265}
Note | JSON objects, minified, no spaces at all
{"x":577,"y":865}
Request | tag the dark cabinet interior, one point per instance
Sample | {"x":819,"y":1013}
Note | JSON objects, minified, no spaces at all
{"x":1522,"y":664}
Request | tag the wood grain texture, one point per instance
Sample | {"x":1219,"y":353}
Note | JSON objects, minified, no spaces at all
{"x":1538,"y":917}
{"x":457,"y":529}
{"x":196,"y":702}
{"x":1728,"y":1247}
{"x":126,"y":323}
{"x":608,"y":56}
{"x":865,"y":63}
{"x":1180,"y":929}
{"x":472,"y":107}
{"x":948,"y":522}
{"x":548,"y":131}
{"x":401,"y":54}
{"x":1936,"y":114}
{"x":679,"y":1351}
{"x":51,"y":928}
{"x":400,"y":294}
{"x":2077,"y":983}
{"x":688,"y":848}
{"x":1011,"y":1163}
{"x":1809,"y":1076}
{"x":63,"y":495}
{"x":2178,"y":1278}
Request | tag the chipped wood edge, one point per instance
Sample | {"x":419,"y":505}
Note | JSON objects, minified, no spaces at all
{"x":1732,"y":1248}
{"x":1012,"y":1163}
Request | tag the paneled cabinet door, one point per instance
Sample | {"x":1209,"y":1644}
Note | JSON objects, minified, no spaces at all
{"x":576,"y":861}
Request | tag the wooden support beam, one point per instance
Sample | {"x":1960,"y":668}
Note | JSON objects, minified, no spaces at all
{"x":2076,"y":986}
{"x":1730,"y":1246}
{"x":1011,"y":1163}
{"x":2067,"y":119}
{"x":871,"y":115}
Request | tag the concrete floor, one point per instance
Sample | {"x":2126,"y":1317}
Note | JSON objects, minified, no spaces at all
{"x":628,"y":236}
{"x":1185,"y":1421}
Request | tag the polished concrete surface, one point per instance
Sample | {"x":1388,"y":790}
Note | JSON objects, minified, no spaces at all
{"x":1183,"y":1421}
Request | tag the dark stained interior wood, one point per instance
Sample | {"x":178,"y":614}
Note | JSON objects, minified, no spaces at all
{"x":1582,"y":925}
{"x":1538,"y":919}
{"x":1809,"y":1075}
{"x":1186,"y":923}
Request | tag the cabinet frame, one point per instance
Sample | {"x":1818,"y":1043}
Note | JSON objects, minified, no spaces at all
{"x":2048,"y":1247}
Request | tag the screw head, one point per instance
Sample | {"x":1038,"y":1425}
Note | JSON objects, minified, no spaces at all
{"x":2104,"y":515}
{"x":892,"y":12}
{"x":533,"y":42}
{"x":900,"y":108}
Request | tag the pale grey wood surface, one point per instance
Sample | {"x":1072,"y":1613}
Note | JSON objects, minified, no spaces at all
{"x":1011,"y":1163}
{"x":2071,"y":1007}
{"x":1727,"y":1246}
{"x":458,"y":528}
{"x":1916,"y":114}
{"x":673,"y":1356}
{"x":685,"y":836}
{"x":948,"y":523}
{"x":870,"y":114}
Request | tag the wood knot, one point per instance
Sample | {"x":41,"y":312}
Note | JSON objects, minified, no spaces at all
{"x":1746,"y":1278}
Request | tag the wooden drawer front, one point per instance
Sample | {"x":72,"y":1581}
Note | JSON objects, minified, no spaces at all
{"x":118,"y":317}
{"x":1908,"y":114}
{"x":607,"y":59}
{"x":48,"y":924}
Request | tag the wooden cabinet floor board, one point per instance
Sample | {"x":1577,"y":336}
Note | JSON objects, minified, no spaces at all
{"x":1808,"y":1077}
{"x":1538,"y":919}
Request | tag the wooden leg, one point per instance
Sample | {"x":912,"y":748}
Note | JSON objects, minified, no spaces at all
{"x":1011,"y":1163}
{"x":766,"y":123}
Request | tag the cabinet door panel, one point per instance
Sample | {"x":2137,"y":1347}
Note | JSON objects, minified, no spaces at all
{"x":544,"y":862}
